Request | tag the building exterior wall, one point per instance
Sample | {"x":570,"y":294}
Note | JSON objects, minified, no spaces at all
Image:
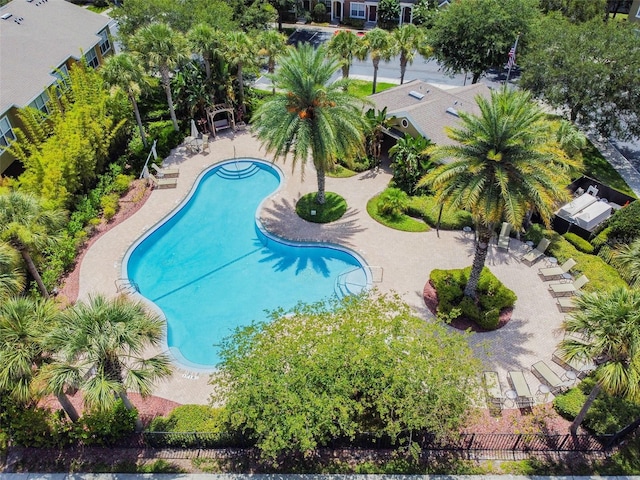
{"x":634,"y":11}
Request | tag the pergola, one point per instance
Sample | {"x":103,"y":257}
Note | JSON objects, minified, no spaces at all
{"x":228,"y":121}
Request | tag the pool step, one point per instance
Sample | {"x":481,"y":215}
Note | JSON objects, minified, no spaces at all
{"x":238,"y":170}
{"x":351,"y":282}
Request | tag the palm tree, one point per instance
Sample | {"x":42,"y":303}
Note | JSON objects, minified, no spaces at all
{"x":240,"y":52}
{"x":606,"y":328}
{"x":123,"y":71}
{"x":24,"y":323}
{"x":272,"y":43}
{"x":409,"y":39}
{"x":11,"y":277}
{"x":312,"y":117}
{"x":627,"y":259}
{"x":377,"y":122}
{"x":163,"y":50}
{"x":379,"y":45}
{"x":409,"y":162}
{"x":205,"y":41}
{"x":28,"y":227}
{"x":99,"y":349}
{"x":344,"y":45}
{"x":506,"y":162}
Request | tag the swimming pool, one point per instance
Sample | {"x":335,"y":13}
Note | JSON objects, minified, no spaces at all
{"x":210,"y":266}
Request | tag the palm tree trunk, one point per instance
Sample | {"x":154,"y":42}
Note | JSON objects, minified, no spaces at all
{"x":320,"y":198}
{"x":345,"y":71}
{"x":376,"y":64}
{"x":68,"y":407}
{"x":136,"y":112}
{"x":129,"y":406}
{"x":585,"y":408}
{"x":34,"y":272}
{"x":166,"y":83}
{"x":476,"y":77}
{"x":482,"y":249}
{"x":207,"y":66}
{"x":241,"y":88}
{"x":403,"y":69}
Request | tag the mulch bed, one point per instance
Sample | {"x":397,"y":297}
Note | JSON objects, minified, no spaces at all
{"x":430,"y":297}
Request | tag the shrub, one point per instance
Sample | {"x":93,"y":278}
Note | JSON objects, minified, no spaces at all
{"x":190,"y":418}
{"x":580,"y":243}
{"x":319,"y":12}
{"x":393,"y":202}
{"x":31,"y":426}
{"x":106,"y":427}
{"x":109,"y":204}
{"x":623,"y":225}
{"x":492,"y":296}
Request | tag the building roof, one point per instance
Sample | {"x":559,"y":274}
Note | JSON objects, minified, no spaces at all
{"x":38,"y":37}
{"x":429,"y":108}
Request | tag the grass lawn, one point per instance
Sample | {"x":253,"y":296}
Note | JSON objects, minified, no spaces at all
{"x":598,"y":168}
{"x":331,"y":210}
{"x":403,"y":223}
{"x":362,"y":88}
{"x":340,"y":172}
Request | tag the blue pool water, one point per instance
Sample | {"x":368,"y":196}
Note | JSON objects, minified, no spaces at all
{"x":210,"y":268}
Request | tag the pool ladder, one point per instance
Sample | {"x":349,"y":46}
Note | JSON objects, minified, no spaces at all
{"x":124,"y":285}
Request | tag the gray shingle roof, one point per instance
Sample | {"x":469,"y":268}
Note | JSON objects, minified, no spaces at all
{"x":434,"y":111}
{"x":49,"y":33}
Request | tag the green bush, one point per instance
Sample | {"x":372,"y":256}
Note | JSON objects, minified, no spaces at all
{"x":607,"y":414}
{"x":492,"y":296}
{"x":404,"y":223}
{"x":319,"y":12}
{"x":623,"y":225}
{"x":190,"y":418}
{"x":31,"y":426}
{"x":425,"y":207}
{"x":109,"y":204}
{"x":106,"y":427}
{"x":393,"y":202}
{"x":580,"y":243}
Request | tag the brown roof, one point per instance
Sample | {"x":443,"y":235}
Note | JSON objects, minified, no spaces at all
{"x":429,"y":108}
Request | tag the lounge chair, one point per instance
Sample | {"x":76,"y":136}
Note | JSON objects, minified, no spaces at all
{"x":504,"y":239}
{"x":536,"y":254}
{"x":165,"y":172}
{"x":566,"y":304}
{"x":552,"y":273}
{"x":580,"y":367}
{"x":493,"y":390}
{"x":524,"y":399}
{"x":568,"y":289}
{"x":547,"y":376}
{"x":163,"y":182}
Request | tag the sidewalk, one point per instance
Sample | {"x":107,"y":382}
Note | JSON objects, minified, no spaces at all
{"x":619,"y":162}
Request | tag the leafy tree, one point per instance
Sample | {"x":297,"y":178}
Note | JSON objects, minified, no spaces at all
{"x":505,"y":162}
{"x":576,"y":10}
{"x":476,"y":35}
{"x":239,"y":51}
{"x":162,"y":49}
{"x":409,"y":162}
{"x":343,"y":46}
{"x":192,"y":90}
{"x":336,"y":369}
{"x":573,"y":67}
{"x":313,"y":117}
{"x":257,"y":16}
{"x":378,"y":45}
{"x":29,"y":228}
{"x":282,"y":6}
{"x":606,"y":328}
{"x":123,"y":71}
{"x":409,"y":39}
{"x":99,"y":347}
{"x":388,"y":13}
{"x":377,"y":122}
{"x":272,"y":43}
{"x":424,"y":13}
{"x":11,"y":277}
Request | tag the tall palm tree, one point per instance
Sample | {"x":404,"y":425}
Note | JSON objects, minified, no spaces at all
{"x":163,"y":50}
{"x":627,"y":259}
{"x":344,"y":46}
{"x":379,"y":45}
{"x":124,"y":71}
{"x":100,"y":346}
{"x":239,"y":51}
{"x":271,"y":43}
{"x":29,"y":228}
{"x":24,"y":323}
{"x":312,"y":116}
{"x":204,"y":40}
{"x":505,"y":162}
{"x":11,"y":277}
{"x":409,"y":39}
{"x":377,"y":122}
{"x":607,"y":328}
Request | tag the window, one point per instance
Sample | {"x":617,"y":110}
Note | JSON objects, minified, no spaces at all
{"x":105,"y":44}
{"x":41,"y":102}
{"x":92,"y":58}
{"x":357,"y":10}
{"x":62,"y":74}
{"x":638,"y":12}
{"x":6,"y":132}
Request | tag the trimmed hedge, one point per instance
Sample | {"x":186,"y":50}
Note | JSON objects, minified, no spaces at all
{"x":493,"y":296}
{"x":580,"y":243}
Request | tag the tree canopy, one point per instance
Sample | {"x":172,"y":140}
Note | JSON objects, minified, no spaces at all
{"x":590,"y":70}
{"x":335,"y":369}
{"x":476,"y":35}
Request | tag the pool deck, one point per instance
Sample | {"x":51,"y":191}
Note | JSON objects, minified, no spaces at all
{"x":405,"y":260}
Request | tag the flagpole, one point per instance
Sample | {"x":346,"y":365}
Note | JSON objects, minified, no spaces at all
{"x":515,"y":46}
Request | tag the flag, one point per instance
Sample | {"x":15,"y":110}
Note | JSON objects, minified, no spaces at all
{"x":512,"y":57}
